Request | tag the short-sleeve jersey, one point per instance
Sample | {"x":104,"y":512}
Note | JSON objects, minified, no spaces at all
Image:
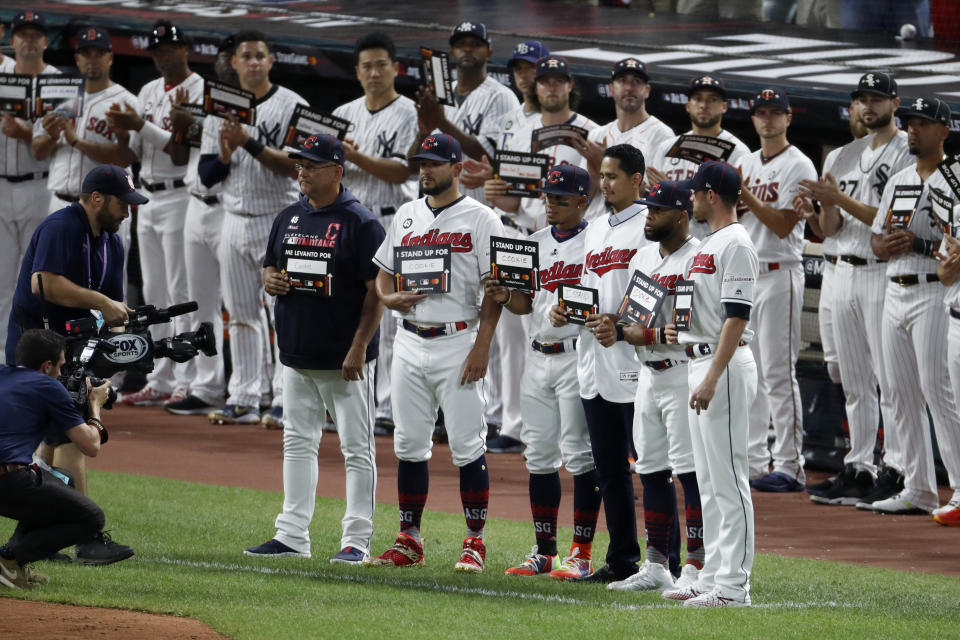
{"x":561,"y":262}
{"x":155,"y":100}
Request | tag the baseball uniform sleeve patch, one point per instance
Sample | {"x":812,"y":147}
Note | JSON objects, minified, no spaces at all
{"x":739,"y":276}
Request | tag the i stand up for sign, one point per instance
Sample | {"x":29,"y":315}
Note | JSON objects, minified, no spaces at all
{"x":642,"y":301}
{"x":424,"y":269}
{"x":305,"y":123}
{"x":221,"y":100}
{"x":309,"y":266}
{"x":683,"y":306}
{"x":579,"y":302}
{"x":515,"y":263}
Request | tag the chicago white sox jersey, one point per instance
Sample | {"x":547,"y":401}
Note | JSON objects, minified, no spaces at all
{"x":155,"y":98}
{"x":250,"y":187}
{"x":560,"y":263}
{"x":666,"y":270}
{"x":385,"y":133}
{"x":610,"y":243}
{"x":16,"y":158}
{"x":775,"y":182}
{"x":466,"y":226}
{"x":512,"y":123}
{"x":68,"y":166}
{"x":724,"y":269}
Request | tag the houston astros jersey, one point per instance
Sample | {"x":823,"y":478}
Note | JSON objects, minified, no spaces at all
{"x":155,"y":99}
{"x":385,"y":133}
{"x":724,"y":269}
{"x":775,"y":182}
{"x":16,"y":157}
{"x":513,"y":122}
{"x":560,"y":263}
{"x":466,"y":225}
{"x":610,"y":243}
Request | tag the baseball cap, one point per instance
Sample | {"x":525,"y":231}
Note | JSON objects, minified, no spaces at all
{"x":439,"y":147}
{"x":529,"y":50}
{"x":707,"y":81}
{"x":629,"y":65}
{"x":933,"y":109}
{"x":466,"y":28}
{"x":320,"y":147}
{"x":28,"y":19}
{"x":163,"y":32}
{"x":669,"y":194}
{"x":552,"y":64}
{"x":93,"y":37}
{"x":111,"y":180}
{"x":772,"y":98}
{"x":227,"y":44}
{"x":566,"y":180}
{"x":876,"y":82}
{"x":714,"y":175}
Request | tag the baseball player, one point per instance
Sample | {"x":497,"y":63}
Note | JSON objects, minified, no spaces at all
{"x":257,"y":182}
{"x":337,"y":373}
{"x":27,"y":198}
{"x":722,"y":378}
{"x":771,"y":176}
{"x":382,"y":129}
{"x":661,"y":430}
{"x":440,"y":355}
{"x":907,"y":232}
{"x":706,"y":105}
{"x":949,"y":272}
{"x":629,"y":87}
{"x":554,"y":425}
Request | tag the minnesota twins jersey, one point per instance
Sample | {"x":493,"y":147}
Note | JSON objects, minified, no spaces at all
{"x":16,"y":158}
{"x":385,"y":133}
{"x":610,"y":243}
{"x":155,"y":99}
{"x":466,"y":226}
{"x":775,"y":182}
{"x":560,"y":263}
{"x":250,"y":188}
{"x":724,"y":270}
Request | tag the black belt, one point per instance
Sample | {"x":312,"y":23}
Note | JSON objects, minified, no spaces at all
{"x":433,"y":332}
{"x":207,"y":200}
{"x":387,"y":211}
{"x":162,"y":186}
{"x":857,"y":261}
{"x":27,"y":176}
{"x":550,"y":348}
{"x":912,"y":279}
{"x":510,"y":222}
{"x":10,"y":467}
{"x":955,"y":313}
{"x":663,"y":365}
{"x":700,"y":350}
{"x":67,"y":197}
{"x":829,"y":258}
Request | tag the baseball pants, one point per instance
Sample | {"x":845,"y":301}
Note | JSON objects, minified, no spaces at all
{"x":953,"y":357}
{"x":661,"y":426}
{"x":512,"y":346}
{"x":308,"y":394}
{"x":719,"y":437}
{"x":388,"y":334}
{"x":825,"y":321}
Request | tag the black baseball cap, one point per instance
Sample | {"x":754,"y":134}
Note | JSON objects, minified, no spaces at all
{"x":552,"y":64}
{"x":629,"y":65}
{"x":771,"y":98}
{"x":528,"y":50}
{"x":111,"y":180}
{"x":876,"y":82}
{"x":165,"y":32}
{"x":227,"y":44}
{"x":707,"y":81}
{"x":716,"y":176}
{"x":439,"y":147}
{"x":933,"y":109}
{"x":93,"y":37}
{"x":467,"y":28}
{"x":566,"y":180}
{"x":320,"y":147}
{"x":669,"y":194}
{"x":28,"y":19}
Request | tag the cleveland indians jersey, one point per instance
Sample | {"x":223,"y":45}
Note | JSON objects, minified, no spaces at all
{"x":155,"y":101}
{"x":466,"y":226}
{"x":16,"y":157}
{"x":560,"y":263}
{"x":775,"y":182}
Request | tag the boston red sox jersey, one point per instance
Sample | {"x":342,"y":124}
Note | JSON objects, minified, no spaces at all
{"x":155,"y":99}
{"x":250,"y":188}
{"x":775,"y":182}
{"x":560,"y":263}
{"x":724,"y":270}
{"x":610,"y":243}
{"x":16,"y":158}
{"x":466,"y":226}
{"x":385,"y":133}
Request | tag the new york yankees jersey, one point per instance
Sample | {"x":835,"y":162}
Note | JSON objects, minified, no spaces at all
{"x":466,"y":226}
{"x":724,"y":270}
{"x":385,"y":133}
{"x":610,"y":243}
{"x":775,"y":182}
{"x":560,"y":263}
{"x":155,"y":100}
{"x":250,"y":188}
{"x":16,"y":158}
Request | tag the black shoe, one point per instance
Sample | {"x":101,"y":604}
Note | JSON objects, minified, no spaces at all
{"x":848,"y":488}
{"x":440,"y":434}
{"x":818,"y":488}
{"x":383,"y":427}
{"x":504,"y":444}
{"x":603,"y":575}
{"x":58,"y":557}
{"x":889,"y":483}
{"x":102,"y":550}
{"x":190,"y":406}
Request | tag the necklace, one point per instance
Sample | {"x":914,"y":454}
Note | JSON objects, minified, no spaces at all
{"x":875,"y":160}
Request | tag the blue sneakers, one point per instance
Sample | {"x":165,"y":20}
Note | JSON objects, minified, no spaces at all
{"x":349,"y":555}
{"x":274,"y":549}
{"x":234,"y":414}
{"x":777,"y":482}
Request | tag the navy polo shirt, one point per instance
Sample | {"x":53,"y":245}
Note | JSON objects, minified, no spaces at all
{"x":32,"y":405}
{"x":64,"y":244}
{"x":315,"y":331}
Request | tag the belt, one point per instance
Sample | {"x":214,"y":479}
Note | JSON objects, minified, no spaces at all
{"x":207,"y":200}
{"x":551,"y":348}
{"x":700,"y":350}
{"x":663,"y":365}
{"x":163,"y":186}
{"x":241,"y":214}
{"x":955,"y":313}
{"x":857,"y":261}
{"x":829,"y":258}
{"x":27,"y":176}
{"x":448,"y":329}
{"x":387,"y":211}
{"x":510,"y":222}
{"x":67,"y":197}
{"x":912,"y":279}
{"x":12,"y":466}
{"x":766,"y":267}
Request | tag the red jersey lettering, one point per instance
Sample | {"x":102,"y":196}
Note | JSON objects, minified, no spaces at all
{"x":608,"y":260}
{"x":668,"y":282}
{"x":560,"y":273}
{"x":459,"y":242}
{"x":703,"y":263}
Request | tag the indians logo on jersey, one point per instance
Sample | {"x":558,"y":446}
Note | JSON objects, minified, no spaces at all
{"x":703,"y":263}
{"x":668,"y":282}
{"x":459,"y":242}
{"x":608,"y":260}
{"x":560,"y":273}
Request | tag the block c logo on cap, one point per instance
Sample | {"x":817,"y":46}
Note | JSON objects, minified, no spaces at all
{"x":310,"y":142}
{"x":429,"y":143}
{"x":555,"y":177}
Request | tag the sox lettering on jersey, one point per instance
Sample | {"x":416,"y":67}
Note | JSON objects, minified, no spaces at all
{"x":459,"y":242}
{"x":608,"y":260}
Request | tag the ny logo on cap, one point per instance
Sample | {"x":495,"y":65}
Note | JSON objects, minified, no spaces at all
{"x":555,"y":177}
{"x":429,"y":143}
{"x":632,"y":63}
{"x":768,"y":94}
{"x":311,"y":142}
{"x":522,"y":48}
{"x":919,"y":104}
{"x":553,"y":63}
{"x":465,"y":26}
{"x":870,"y":80}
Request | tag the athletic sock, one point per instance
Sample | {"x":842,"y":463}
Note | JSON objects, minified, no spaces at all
{"x":413,"y":484}
{"x":694,"y":517}
{"x":586,"y":510}
{"x":475,"y":495}
{"x":659,"y":507}
{"x":545,"y":492}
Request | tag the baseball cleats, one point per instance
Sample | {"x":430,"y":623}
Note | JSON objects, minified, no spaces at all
{"x":687,"y":592}
{"x":14,"y":575}
{"x":274,"y":549}
{"x":273,"y":420}
{"x":577,"y":566}
{"x":102,"y":550}
{"x":189,"y":406}
{"x":383,"y":427}
{"x":534,"y":564}
{"x":949,"y":514}
{"x":688,"y":577}
{"x":848,"y":488}
{"x":349,"y":555}
{"x":146,"y":397}
{"x":651,"y":577}
{"x":473,"y":556}
{"x":405,"y":552}
{"x":504,"y":444}
{"x":889,"y":483}
{"x":234,"y":414}
{"x":898,"y":505}
{"x":776,"y":482}
{"x":714,"y":599}
{"x":34,"y":577}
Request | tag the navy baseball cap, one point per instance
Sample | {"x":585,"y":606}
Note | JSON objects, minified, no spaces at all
{"x":669,"y":194}
{"x":320,"y":147}
{"x":439,"y":147}
{"x":227,"y":44}
{"x":714,"y":175}
{"x":475,"y":29}
{"x":707,"y":81}
{"x":629,"y":65}
{"x":566,"y":180}
{"x":529,"y":50}
{"x":552,"y":64}
{"x":165,"y":32}
{"x":771,"y":98}
{"x":93,"y":37}
{"x":28,"y":19}
{"x":111,"y":180}
{"x":876,"y":82}
{"x":933,"y":109}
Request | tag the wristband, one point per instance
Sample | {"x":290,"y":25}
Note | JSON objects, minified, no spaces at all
{"x":253,"y":146}
{"x":650,"y":336}
{"x":102,"y":430}
{"x":923,"y":247}
{"x":619,"y":328}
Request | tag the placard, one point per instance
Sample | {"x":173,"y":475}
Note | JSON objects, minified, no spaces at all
{"x":305,"y":123}
{"x":642,"y":300}
{"x":221,"y":99}
{"x":59,"y":93}
{"x":903,"y":205}
{"x":950,"y":168}
{"x":941,"y":205}
{"x":683,"y":304}
{"x":16,"y":94}
{"x":515,"y":263}
{"x":579,"y":302}
{"x":194,"y":134}
{"x":523,"y":172}
{"x":424,"y":269}
{"x":435,"y":66}
{"x":699,"y":149}
{"x":311,"y":269}
{"x":557,"y":134}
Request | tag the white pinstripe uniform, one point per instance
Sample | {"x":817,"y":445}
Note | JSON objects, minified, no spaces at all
{"x":252,"y":196}
{"x":952,"y":300}
{"x":858,"y":294}
{"x":825,"y":304}
{"x":386,"y":133}
{"x":775,"y":319}
{"x":914,"y":343}
{"x":23,"y":207}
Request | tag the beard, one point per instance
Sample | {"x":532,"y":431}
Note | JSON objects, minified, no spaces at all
{"x":881,"y":121}
{"x":107,"y":222}
{"x":439,"y":186}
{"x":706,"y":123}
{"x":658,"y":234}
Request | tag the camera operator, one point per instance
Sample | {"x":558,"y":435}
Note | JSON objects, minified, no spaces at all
{"x":50,"y":514}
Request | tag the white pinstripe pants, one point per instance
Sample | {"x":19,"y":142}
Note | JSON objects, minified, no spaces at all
{"x":825,"y":320}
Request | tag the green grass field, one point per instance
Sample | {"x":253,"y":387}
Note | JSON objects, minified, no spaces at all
{"x":189,"y":538}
